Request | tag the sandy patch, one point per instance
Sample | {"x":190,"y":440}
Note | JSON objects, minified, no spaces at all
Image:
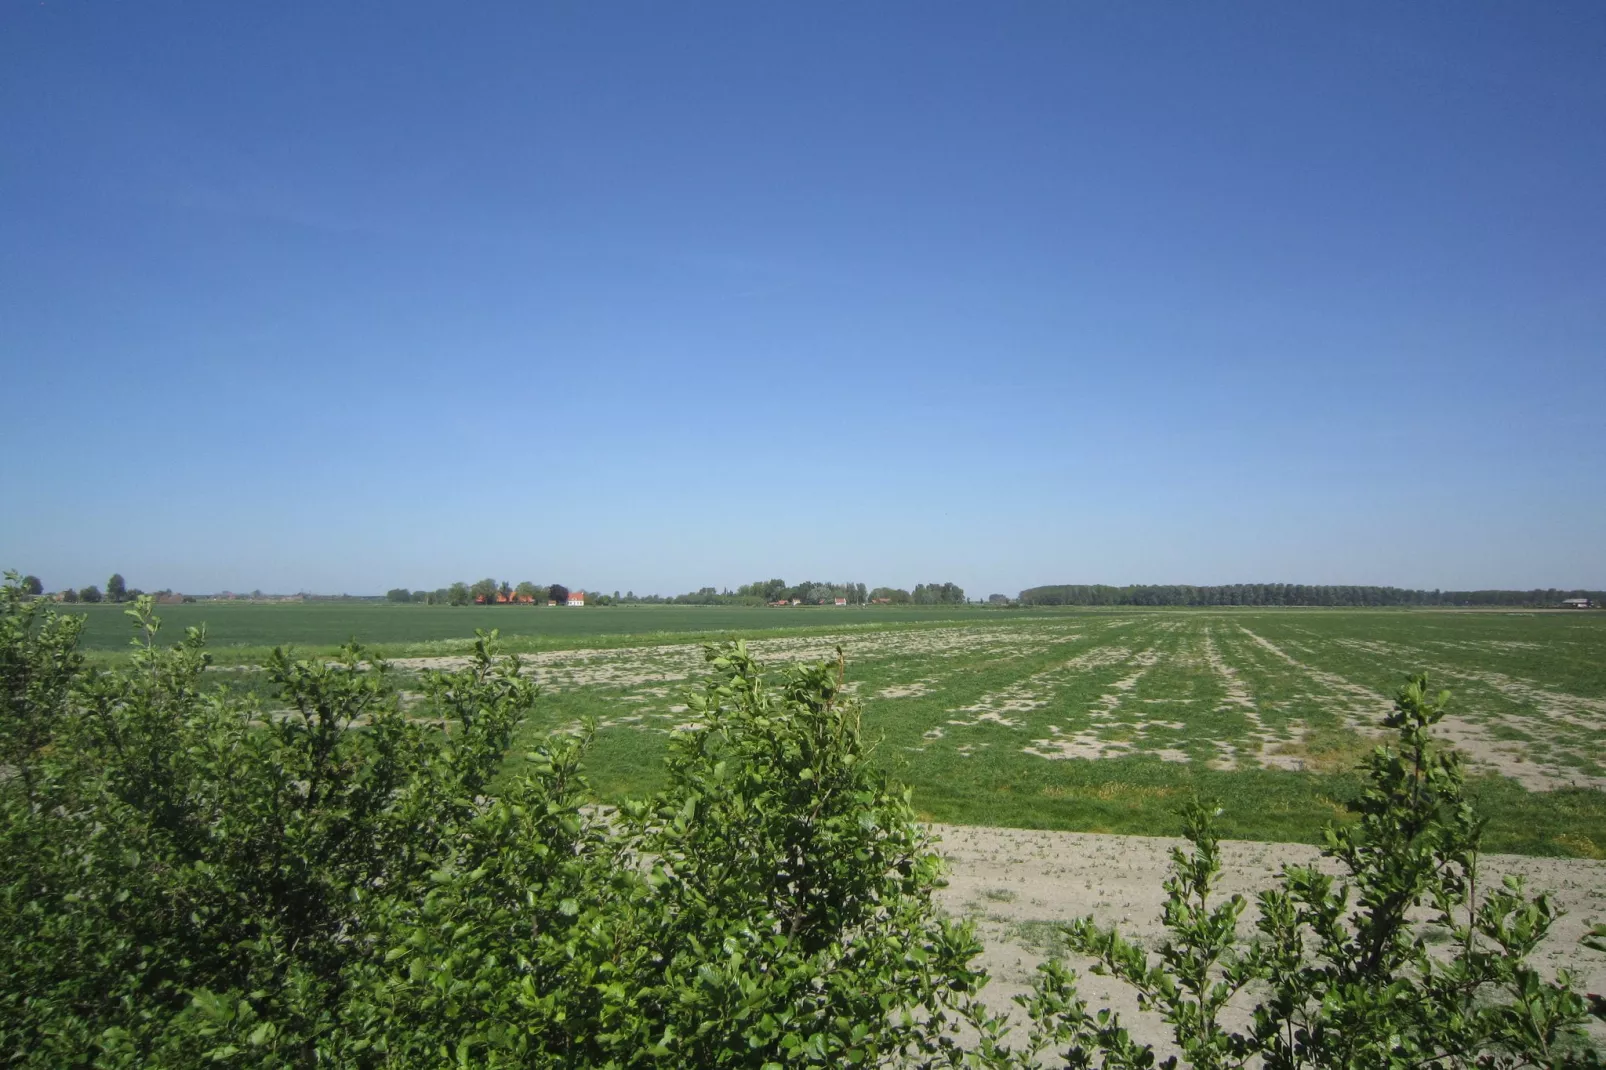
{"x":987,"y":717}
{"x":909,"y":690}
{"x":1365,"y":706}
{"x":673,"y":663}
{"x":1239,"y":699}
{"x":1576,"y":710}
{"x":1037,"y":690}
{"x":1015,"y":883}
{"x":1466,"y":727}
{"x":1271,"y":755}
{"x":1237,"y":694}
{"x":1016,"y":698}
{"x":1083,"y":744}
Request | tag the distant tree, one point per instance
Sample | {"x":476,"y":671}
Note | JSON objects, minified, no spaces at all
{"x":398,"y":594}
{"x":256,"y":595}
{"x":458,"y":594}
{"x":1276,"y":594}
{"x":483,"y":591}
{"x":557,"y":593}
{"x":89,"y":594}
{"x":31,"y":585}
{"x":938,"y":594}
{"x":768,"y":590}
{"x":505,"y":590}
{"x":421,"y":596}
{"x":132,"y":594}
{"x":526,"y":589}
{"x":116,"y":589}
{"x":69,"y":595}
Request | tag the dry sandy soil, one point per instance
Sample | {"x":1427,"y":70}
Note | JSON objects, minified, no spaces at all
{"x":1012,"y":881}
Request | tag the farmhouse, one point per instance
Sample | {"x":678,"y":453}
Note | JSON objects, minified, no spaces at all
{"x":841,"y":601}
{"x":577,"y":598}
{"x":1577,"y":603}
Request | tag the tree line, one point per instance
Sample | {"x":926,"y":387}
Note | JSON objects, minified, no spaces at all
{"x":1285,"y":594}
{"x":493,"y":592}
{"x":812,"y":592}
{"x":809,"y":592}
{"x":760,"y":592}
{"x":117,"y":590}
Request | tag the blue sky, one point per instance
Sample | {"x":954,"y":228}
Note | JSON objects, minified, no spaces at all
{"x":349,"y":296}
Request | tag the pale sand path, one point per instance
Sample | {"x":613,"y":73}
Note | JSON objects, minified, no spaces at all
{"x":1003,"y":877}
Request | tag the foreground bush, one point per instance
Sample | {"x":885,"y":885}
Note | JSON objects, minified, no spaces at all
{"x":1338,"y":973}
{"x":188,"y":879}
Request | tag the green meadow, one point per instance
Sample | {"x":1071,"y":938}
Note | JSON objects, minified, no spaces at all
{"x":1092,"y":720}
{"x":1109,"y":722}
{"x":244,"y":631}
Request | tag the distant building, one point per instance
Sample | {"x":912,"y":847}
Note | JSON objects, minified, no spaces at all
{"x":841,"y":601}
{"x":880,"y":601}
{"x":1577,"y":603}
{"x":577,"y":598}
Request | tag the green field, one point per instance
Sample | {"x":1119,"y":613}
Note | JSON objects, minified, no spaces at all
{"x":1099,"y":720}
{"x":244,"y":631}
{"x":1109,"y":721}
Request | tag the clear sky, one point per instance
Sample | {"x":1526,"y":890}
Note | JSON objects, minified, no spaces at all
{"x":651,"y":296}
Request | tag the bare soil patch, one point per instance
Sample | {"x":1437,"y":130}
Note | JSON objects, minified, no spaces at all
{"x":1016,"y":883}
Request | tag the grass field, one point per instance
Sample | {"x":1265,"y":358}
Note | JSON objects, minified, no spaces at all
{"x":243,"y":631}
{"x":1064,"y":719}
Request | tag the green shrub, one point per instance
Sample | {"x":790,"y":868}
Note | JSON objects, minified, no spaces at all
{"x":1339,"y":973}
{"x":189,"y":878}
